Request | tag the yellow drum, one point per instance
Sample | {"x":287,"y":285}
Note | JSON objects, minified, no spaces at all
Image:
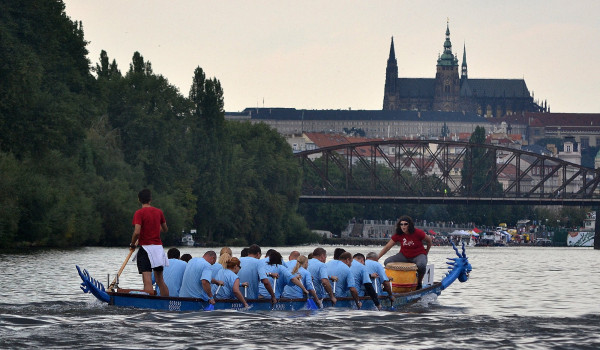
{"x":403,"y":276}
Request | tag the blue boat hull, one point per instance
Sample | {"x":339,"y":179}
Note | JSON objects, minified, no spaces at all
{"x":192,"y":304}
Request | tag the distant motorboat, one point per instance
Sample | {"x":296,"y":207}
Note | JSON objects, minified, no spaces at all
{"x":188,"y":240}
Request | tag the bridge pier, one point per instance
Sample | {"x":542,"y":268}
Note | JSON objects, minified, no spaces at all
{"x":597,"y":229}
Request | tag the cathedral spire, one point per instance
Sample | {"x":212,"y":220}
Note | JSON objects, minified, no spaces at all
{"x":392,"y":58}
{"x":447,"y":58}
{"x":463,"y":72}
{"x":391,"y":78}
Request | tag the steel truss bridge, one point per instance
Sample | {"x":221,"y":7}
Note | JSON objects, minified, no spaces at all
{"x":443,"y":172}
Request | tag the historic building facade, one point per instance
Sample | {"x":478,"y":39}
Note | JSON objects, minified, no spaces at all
{"x":450,"y":92}
{"x":372,"y":123}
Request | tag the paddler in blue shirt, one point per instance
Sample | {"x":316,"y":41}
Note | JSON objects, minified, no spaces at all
{"x":291,"y":263}
{"x":362,"y":278}
{"x":197,"y":278}
{"x":230,"y":288}
{"x":295,"y":292}
{"x":345,"y":280}
{"x":173,"y":274}
{"x":276,"y":270}
{"x":253,"y":271}
{"x":374,"y":267}
{"x":318,"y":271}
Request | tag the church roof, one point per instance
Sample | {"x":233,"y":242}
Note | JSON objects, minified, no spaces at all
{"x":343,"y":114}
{"x":498,"y":88}
{"x":425,"y":88}
{"x":416,"y":87}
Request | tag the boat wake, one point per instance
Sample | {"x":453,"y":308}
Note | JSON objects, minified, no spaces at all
{"x":429,"y":299}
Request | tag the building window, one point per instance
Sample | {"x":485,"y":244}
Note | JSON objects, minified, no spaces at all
{"x":585,"y":142}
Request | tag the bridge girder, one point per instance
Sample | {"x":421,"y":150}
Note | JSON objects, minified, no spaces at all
{"x":436,"y":171}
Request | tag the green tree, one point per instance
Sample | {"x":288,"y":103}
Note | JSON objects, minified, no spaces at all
{"x":44,"y":79}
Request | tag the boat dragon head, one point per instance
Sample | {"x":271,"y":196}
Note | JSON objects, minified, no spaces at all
{"x":459,"y":267}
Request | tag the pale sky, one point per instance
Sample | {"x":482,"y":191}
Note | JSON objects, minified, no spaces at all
{"x":332,"y":54}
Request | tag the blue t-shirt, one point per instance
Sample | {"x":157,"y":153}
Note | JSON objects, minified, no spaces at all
{"x":293,"y":291}
{"x":215,"y":270}
{"x":290,"y":264}
{"x":252,"y":271}
{"x":284,"y":279}
{"x":197,"y":270}
{"x":173,"y":276}
{"x":344,"y":275}
{"x":226,"y":290}
{"x":361,"y":276}
{"x":374,"y":266}
{"x":318,"y":271}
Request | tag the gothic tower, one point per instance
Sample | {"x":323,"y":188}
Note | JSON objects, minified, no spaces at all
{"x":391,"y":77}
{"x":447,"y":84}
{"x":463,"y":71}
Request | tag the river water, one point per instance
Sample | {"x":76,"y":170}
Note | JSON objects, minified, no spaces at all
{"x":521,"y":297}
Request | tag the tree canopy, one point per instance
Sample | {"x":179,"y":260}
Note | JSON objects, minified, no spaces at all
{"x":78,"y":142}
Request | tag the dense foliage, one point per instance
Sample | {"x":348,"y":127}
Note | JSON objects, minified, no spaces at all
{"x":76,"y":147}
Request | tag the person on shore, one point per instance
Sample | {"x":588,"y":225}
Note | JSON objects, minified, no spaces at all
{"x":362,"y":279}
{"x":197,"y":278}
{"x":173,"y":273}
{"x":345,"y":284}
{"x":294,"y":292}
{"x":278,"y":275}
{"x":148,"y":223}
{"x":411,"y":246}
{"x":230,"y":288}
{"x":318,"y":271}
{"x":374,"y":267}
{"x":291,"y":263}
{"x":253,"y":272}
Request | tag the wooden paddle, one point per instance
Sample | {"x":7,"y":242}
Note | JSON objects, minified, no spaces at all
{"x":111,"y":286}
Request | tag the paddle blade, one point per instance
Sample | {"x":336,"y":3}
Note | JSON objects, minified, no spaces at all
{"x":311,"y":304}
{"x":210,"y":307}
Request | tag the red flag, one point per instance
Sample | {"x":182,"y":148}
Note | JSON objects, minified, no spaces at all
{"x":432,"y":232}
{"x":476,"y":230}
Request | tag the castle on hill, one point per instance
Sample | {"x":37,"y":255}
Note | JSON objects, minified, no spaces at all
{"x":449,"y":92}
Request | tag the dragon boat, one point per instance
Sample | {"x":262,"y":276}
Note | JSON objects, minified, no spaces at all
{"x":458,"y":269}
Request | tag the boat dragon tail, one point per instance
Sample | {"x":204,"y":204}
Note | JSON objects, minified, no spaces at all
{"x":459,"y":268}
{"x":91,"y":285}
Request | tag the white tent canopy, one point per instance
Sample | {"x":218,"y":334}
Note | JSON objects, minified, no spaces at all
{"x":460,"y":233}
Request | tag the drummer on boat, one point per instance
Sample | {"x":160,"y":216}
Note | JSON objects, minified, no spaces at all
{"x":412,"y":250}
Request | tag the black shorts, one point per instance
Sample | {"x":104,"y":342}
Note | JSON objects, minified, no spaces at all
{"x":143,"y":262}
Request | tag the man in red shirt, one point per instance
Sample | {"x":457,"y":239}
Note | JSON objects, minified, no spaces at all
{"x":411,"y":246}
{"x":149,"y":222}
